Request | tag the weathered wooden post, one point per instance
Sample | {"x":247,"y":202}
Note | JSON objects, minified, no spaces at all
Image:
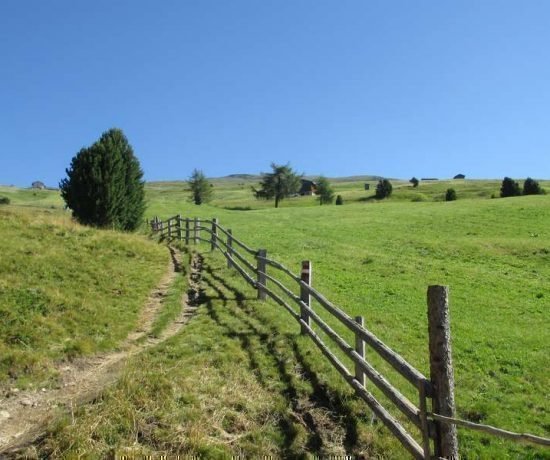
{"x":179,"y":226}
{"x":306,"y":276}
{"x":261,"y":267}
{"x":170,"y":228}
{"x":161,"y":226}
{"x":197,"y":230}
{"x":360,"y":349}
{"x":214,"y":234}
{"x":229,"y":247}
{"x":441,"y":371}
{"x":187,"y":230}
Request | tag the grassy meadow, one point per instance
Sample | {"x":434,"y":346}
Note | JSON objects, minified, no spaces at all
{"x":32,"y":198}
{"x":238,"y":379}
{"x":376,"y":259}
{"x":66,"y":291}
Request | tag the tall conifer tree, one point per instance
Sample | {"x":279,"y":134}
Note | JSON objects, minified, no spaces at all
{"x":325,"y":191}
{"x":104,"y":185}
{"x":200,"y":189}
{"x":279,"y":184}
{"x":509,"y":187}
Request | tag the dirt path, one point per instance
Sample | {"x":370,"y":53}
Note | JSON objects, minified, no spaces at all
{"x":25,"y":414}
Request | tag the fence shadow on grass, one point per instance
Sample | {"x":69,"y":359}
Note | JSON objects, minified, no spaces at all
{"x":258,"y":342}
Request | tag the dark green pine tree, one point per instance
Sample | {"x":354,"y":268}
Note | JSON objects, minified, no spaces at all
{"x":104,"y":185}
{"x":324,"y":190}
{"x":279,"y":184}
{"x":532,"y":187}
{"x":201,"y":191}
{"x":509,"y":187}
{"x":383,"y":189}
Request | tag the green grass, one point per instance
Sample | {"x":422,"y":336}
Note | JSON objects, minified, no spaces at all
{"x":33,"y":197}
{"x":172,"y":303}
{"x":235,"y":381}
{"x":376,"y":259}
{"x":240,"y":365}
{"x":66,"y":290}
{"x":169,"y":198}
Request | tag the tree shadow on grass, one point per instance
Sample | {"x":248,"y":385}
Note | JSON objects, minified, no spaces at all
{"x":238,"y":208}
{"x":368,"y":199}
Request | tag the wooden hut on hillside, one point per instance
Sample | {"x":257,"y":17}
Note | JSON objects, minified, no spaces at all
{"x":308,"y":188}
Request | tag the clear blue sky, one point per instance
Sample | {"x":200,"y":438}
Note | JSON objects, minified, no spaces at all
{"x":394,"y":88}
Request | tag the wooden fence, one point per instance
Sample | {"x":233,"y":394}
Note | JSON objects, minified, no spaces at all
{"x":437,"y":427}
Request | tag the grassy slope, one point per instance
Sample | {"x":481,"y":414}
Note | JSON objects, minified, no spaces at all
{"x":66,"y":290}
{"x":376,"y":259}
{"x":236,"y":380}
{"x":32,"y":198}
{"x":235,"y":194}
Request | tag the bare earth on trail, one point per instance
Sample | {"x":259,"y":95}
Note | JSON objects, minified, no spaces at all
{"x":25,"y":414}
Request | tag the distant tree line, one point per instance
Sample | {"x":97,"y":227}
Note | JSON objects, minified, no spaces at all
{"x":281,"y":183}
{"x":104,"y":186}
{"x":510,"y":187}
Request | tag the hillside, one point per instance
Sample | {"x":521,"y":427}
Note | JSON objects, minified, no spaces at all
{"x":239,"y":378}
{"x":377,"y":259}
{"x":66,"y":291}
{"x":233,"y":194}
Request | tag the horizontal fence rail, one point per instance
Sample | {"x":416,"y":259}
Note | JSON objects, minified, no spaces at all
{"x":437,"y":427}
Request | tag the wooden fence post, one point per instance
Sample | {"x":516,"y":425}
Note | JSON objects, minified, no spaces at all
{"x":360,"y":349}
{"x":169,"y":228}
{"x":214,"y":234}
{"x":197,"y":230}
{"x":187,"y":230}
{"x":161,"y":224}
{"x":306,"y":276}
{"x":261,"y":269}
{"x":179,"y":226}
{"x":441,"y":371}
{"x":229,"y":247}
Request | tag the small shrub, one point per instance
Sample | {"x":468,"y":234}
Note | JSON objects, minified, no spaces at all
{"x":4,"y":200}
{"x":532,"y":187}
{"x":339,"y":200}
{"x":450,"y":195}
{"x":414,"y":181}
